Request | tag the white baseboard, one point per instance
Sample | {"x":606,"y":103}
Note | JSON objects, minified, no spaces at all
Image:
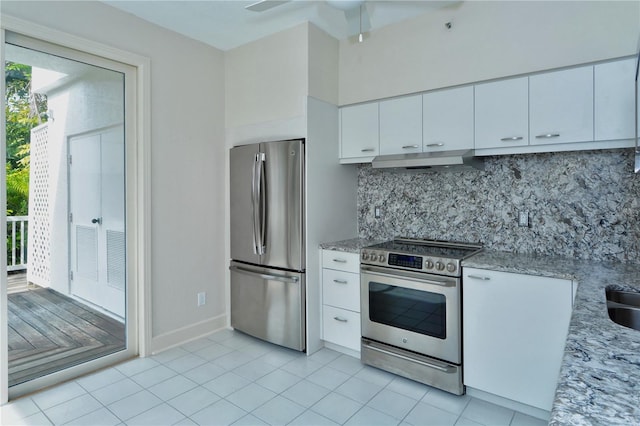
{"x":186,"y":334}
{"x":342,"y":349}
{"x":509,"y":403}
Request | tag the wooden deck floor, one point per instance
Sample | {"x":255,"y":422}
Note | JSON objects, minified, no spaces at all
{"x":49,"y":332}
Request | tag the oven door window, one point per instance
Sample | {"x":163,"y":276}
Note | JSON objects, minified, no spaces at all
{"x":413,"y":310}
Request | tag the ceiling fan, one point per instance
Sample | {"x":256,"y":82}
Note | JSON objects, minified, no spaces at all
{"x":356,"y":15}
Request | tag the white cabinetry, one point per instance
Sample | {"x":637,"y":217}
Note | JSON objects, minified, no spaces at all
{"x":586,"y":107}
{"x":341,"y":299}
{"x":502,"y":113}
{"x":561,"y":106}
{"x":401,"y":125}
{"x":359,"y":133}
{"x":614,"y":100}
{"x":514,"y":332}
{"x":447,"y":119}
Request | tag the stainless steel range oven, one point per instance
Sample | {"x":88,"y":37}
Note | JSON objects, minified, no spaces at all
{"x":411,"y":309}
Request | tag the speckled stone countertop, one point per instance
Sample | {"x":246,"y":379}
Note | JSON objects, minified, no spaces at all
{"x":351,"y":246}
{"x":599,"y":381}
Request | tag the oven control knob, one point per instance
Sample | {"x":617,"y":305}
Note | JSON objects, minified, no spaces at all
{"x":381,"y":258}
{"x":365,"y":255}
{"x":439,"y":266}
{"x":451,"y":267}
{"x":428,"y":264}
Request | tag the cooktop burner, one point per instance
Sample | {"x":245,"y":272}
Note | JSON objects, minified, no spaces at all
{"x":428,"y":248}
{"x":422,"y":255}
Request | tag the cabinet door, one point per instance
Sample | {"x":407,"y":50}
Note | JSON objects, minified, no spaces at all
{"x":514,"y":332}
{"x":448,"y":119}
{"x":614,"y":100}
{"x":401,"y":125}
{"x":359,"y":131}
{"x":561,"y":106}
{"x":502,"y":113}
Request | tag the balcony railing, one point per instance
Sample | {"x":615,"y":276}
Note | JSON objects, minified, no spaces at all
{"x":17,"y":229}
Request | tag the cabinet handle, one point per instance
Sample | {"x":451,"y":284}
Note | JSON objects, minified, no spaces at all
{"x":340,"y":260}
{"x":512,"y":138}
{"x":479,"y":277}
{"x":410,"y":147}
{"x":548,"y":136}
{"x":340,"y":319}
{"x":435,"y":144}
{"x":367,"y":150}
{"x":340,"y":281}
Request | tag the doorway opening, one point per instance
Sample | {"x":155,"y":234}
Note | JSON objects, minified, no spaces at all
{"x":69,"y":298}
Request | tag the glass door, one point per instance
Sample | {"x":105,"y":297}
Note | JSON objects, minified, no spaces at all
{"x":69,"y":300}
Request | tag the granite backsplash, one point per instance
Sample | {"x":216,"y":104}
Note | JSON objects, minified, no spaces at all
{"x":583,"y":204}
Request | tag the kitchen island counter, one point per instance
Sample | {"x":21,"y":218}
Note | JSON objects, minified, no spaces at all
{"x":599,"y":379}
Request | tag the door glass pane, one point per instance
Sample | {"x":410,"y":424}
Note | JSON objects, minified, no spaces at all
{"x":413,"y":310}
{"x":66,"y":213}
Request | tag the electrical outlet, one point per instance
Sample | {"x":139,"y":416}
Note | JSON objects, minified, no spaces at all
{"x":202,"y":298}
{"x":376,"y":212}
{"x":523,"y":218}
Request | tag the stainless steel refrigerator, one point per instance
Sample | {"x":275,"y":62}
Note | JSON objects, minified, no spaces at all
{"x":267,"y":241}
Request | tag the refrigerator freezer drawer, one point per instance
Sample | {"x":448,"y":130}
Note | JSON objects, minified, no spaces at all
{"x":269,"y":304}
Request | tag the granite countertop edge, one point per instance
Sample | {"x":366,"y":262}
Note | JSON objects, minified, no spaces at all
{"x":599,"y":381}
{"x":352,"y":245}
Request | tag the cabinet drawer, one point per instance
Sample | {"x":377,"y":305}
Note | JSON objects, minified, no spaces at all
{"x":341,"y":327}
{"x":340,"y":260}
{"x":341,"y":289}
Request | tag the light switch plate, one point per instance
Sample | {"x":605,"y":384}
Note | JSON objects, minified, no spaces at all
{"x":523,"y":218}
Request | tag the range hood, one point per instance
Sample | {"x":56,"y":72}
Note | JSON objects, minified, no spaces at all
{"x":452,"y":160}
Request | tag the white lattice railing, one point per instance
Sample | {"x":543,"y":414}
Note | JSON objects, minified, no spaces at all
{"x":17,"y":228}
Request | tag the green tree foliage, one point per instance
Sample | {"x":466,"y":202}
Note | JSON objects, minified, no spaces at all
{"x":24,"y":111}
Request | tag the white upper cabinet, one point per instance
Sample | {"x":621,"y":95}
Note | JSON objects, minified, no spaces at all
{"x":614,"y":100}
{"x":401,"y":125}
{"x":447,"y":119}
{"x":561,"y":106}
{"x":502,"y":113}
{"x":359,"y":131}
{"x":587,"y":107}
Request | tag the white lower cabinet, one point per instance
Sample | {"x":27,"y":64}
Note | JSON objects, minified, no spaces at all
{"x":341,"y":327}
{"x":341,"y":299}
{"x":514,"y":332}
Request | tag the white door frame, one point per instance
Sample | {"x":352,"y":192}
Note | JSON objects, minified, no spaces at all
{"x":137,"y":70}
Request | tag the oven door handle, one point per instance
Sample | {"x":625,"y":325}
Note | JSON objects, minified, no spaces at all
{"x":444,"y":367}
{"x":407,"y":275}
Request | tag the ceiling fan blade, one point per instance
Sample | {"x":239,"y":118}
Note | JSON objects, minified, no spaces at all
{"x":263,"y":5}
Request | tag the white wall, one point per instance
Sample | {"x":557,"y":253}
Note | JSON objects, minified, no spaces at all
{"x":266,"y":80}
{"x":187,"y":158}
{"x":323,"y":65}
{"x":489,"y":39}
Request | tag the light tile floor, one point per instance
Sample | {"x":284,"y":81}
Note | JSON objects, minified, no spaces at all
{"x":230,"y":378}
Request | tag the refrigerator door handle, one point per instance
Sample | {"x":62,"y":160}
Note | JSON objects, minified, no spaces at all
{"x":272,"y":277}
{"x":254,"y":202}
{"x":262,"y":207}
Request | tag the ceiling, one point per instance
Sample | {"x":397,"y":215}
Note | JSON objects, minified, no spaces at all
{"x":226,"y":24}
